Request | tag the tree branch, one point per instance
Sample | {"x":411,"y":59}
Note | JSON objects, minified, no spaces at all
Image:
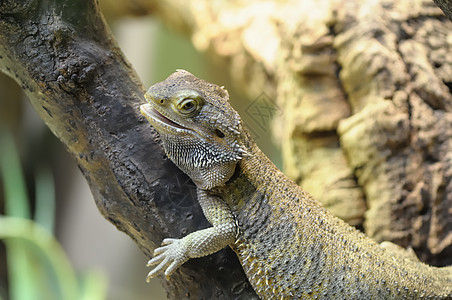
{"x":64,"y":58}
{"x":446,"y":7}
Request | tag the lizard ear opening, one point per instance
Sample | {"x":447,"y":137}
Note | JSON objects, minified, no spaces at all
{"x":219,"y":133}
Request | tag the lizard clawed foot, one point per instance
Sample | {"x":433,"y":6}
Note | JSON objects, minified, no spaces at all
{"x":170,"y":256}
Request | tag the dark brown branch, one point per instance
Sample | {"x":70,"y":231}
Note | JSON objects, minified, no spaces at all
{"x":63,"y":57}
{"x":446,"y":7}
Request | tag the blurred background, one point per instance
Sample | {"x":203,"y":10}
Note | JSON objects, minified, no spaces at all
{"x":40,"y":181}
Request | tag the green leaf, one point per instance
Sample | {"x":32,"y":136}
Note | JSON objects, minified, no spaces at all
{"x":13,"y":180}
{"x":45,"y":198}
{"x":19,"y":232}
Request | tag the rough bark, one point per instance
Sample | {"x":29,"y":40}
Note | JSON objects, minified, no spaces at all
{"x":64,"y":58}
{"x":398,"y":138}
{"x":446,"y":7}
{"x":365,"y":91}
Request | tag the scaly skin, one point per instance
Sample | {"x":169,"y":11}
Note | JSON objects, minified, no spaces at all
{"x":288,"y":244}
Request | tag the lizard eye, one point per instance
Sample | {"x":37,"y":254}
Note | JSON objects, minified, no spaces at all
{"x":188,"y":106}
{"x":188,"y":103}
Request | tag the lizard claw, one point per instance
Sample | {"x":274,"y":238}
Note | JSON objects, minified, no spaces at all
{"x":170,"y":256}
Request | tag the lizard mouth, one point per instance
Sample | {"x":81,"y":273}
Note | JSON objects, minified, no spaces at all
{"x":153,"y":115}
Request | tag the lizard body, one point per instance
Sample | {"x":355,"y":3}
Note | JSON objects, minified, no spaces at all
{"x":289,"y":245}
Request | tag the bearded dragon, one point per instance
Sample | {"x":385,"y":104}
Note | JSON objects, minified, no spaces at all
{"x":290,"y":247}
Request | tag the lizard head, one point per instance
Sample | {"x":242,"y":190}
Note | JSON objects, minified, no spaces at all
{"x":200,"y":131}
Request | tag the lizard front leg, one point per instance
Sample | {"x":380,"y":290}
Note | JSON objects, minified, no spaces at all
{"x":174,"y":252}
